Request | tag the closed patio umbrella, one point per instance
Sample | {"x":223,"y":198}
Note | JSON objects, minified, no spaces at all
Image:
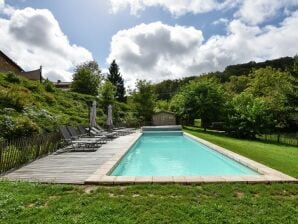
{"x":110,"y":117}
{"x":93,"y":115}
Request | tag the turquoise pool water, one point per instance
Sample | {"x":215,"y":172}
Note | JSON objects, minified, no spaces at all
{"x":173,"y":154}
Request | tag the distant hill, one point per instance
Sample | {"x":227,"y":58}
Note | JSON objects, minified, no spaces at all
{"x":28,"y":107}
{"x":166,"y":89}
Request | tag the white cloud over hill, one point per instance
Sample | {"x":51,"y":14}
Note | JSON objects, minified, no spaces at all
{"x":258,"y":11}
{"x":33,"y":37}
{"x":157,"y":51}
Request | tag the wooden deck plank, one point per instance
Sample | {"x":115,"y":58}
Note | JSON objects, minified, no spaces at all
{"x":69,"y":167}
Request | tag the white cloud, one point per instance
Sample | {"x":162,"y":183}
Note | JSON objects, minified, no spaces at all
{"x":33,"y":37}
{"x":224,"y":21}
{"x":154,"y":51}
{"x":157,"y":51}
{"x":249,"y":11}
{"x":175,"y":7}
{"x":257,"y":11}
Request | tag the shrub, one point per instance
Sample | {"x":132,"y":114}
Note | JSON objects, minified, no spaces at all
{"x":33,"y":86}
{"x":13,"y":78}
{"x":16,"y":98}
{"x":48,"y":85}
{"x":25,"y":127}
{"x":248,"y":116}
{"x":50,"y":99}
{"x":17,"y":127}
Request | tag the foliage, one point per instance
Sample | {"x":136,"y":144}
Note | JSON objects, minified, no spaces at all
{"x":166,"y":89}
{"x":264,"y":101}
{"x":107,"y":95}
{"x":248,"y":116}
{"x":143,"y":99}
{"x":13,"y":78}
{"x":202,"y":99}
{"x":273,"y":87}
{"x":49,"y":86}
{"x":277,"y":156}
{"x":162,"y":105}
{"x":15,"y":97}
{"x":116,"y":79}
{"x":91,"y":66}
{"x":237,"y":84}
{"x":86,"y":79}
{"x":45,"y":109}
{"x":16,"y":127}
{"x":283,"y":64}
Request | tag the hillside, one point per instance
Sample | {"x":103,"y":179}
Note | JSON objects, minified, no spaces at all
{"x":167,"y":89}
{"x":29,"y":107}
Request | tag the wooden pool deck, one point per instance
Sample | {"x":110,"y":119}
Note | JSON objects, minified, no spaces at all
{"x":70,"y":167}
{"x":94,"y":167}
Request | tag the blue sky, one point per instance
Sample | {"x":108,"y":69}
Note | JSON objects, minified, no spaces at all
{"x":201,"y":37}
{"x":89,"y":23}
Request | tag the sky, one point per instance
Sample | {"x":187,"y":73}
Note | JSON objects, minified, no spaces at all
{"x":149,"y":39}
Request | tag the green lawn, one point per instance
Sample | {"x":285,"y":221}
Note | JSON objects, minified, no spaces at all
{"x":22,"y":202}
{"x":277,"y":156}
{"x":208,"y":203}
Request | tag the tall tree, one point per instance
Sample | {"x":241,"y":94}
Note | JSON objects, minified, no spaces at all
{"x":87,"y":78}
{"x":144,"y":100}
{"x":116,"y":79}
{"x":107,"y":95}
{"x":200,"y":99}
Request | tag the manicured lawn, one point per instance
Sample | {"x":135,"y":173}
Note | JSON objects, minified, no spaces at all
{"x":208,"y":203}
{"x":281,"y":157}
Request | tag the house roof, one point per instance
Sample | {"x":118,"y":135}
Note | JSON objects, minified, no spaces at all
{"x":11,"y":61}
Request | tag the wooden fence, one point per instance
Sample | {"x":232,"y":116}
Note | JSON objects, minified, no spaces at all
{"x":289,"y":139}
{"x":15,"y":153}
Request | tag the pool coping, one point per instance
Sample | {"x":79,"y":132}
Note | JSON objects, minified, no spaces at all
{"x":101,"y":176}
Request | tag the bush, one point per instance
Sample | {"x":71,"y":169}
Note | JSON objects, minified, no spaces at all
{"x":49,"y":87}
{"x":33,"y":86}
{"x":248,"y":116}
{"x":17,"y":127}
{"x":16,"y":98}
{"x":49,"y":98}
{"x":12,"y":78}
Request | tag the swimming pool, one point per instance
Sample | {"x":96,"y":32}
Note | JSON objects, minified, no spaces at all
{"x":174,"y":154}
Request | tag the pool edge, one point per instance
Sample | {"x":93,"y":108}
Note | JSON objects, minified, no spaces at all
{"x":267,"y":174}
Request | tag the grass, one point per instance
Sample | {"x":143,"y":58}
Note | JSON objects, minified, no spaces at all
{"x":31,"y":101}
{"x":209,"y":203}
{"x":22,"y":202}
{"x":277,"y":156}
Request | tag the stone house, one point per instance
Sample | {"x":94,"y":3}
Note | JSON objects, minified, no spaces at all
{"x":8,"y":65}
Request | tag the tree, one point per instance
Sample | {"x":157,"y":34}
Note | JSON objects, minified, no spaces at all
{"x":203,"y":99}
{"x":92,"y":66}
{"x":107,"y":95}
{"x":161,"y":105}
{"x":274,"y":87}
{"x":144,"y":100}
{"x":116,"y":79}
{"x":237,"y":84}
{"x":87,"y":79}
{"x":248,"y":116}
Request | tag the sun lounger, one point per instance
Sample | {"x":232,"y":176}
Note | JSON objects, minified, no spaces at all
{"x":74,"y":133}
{"x":79,"y":145}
